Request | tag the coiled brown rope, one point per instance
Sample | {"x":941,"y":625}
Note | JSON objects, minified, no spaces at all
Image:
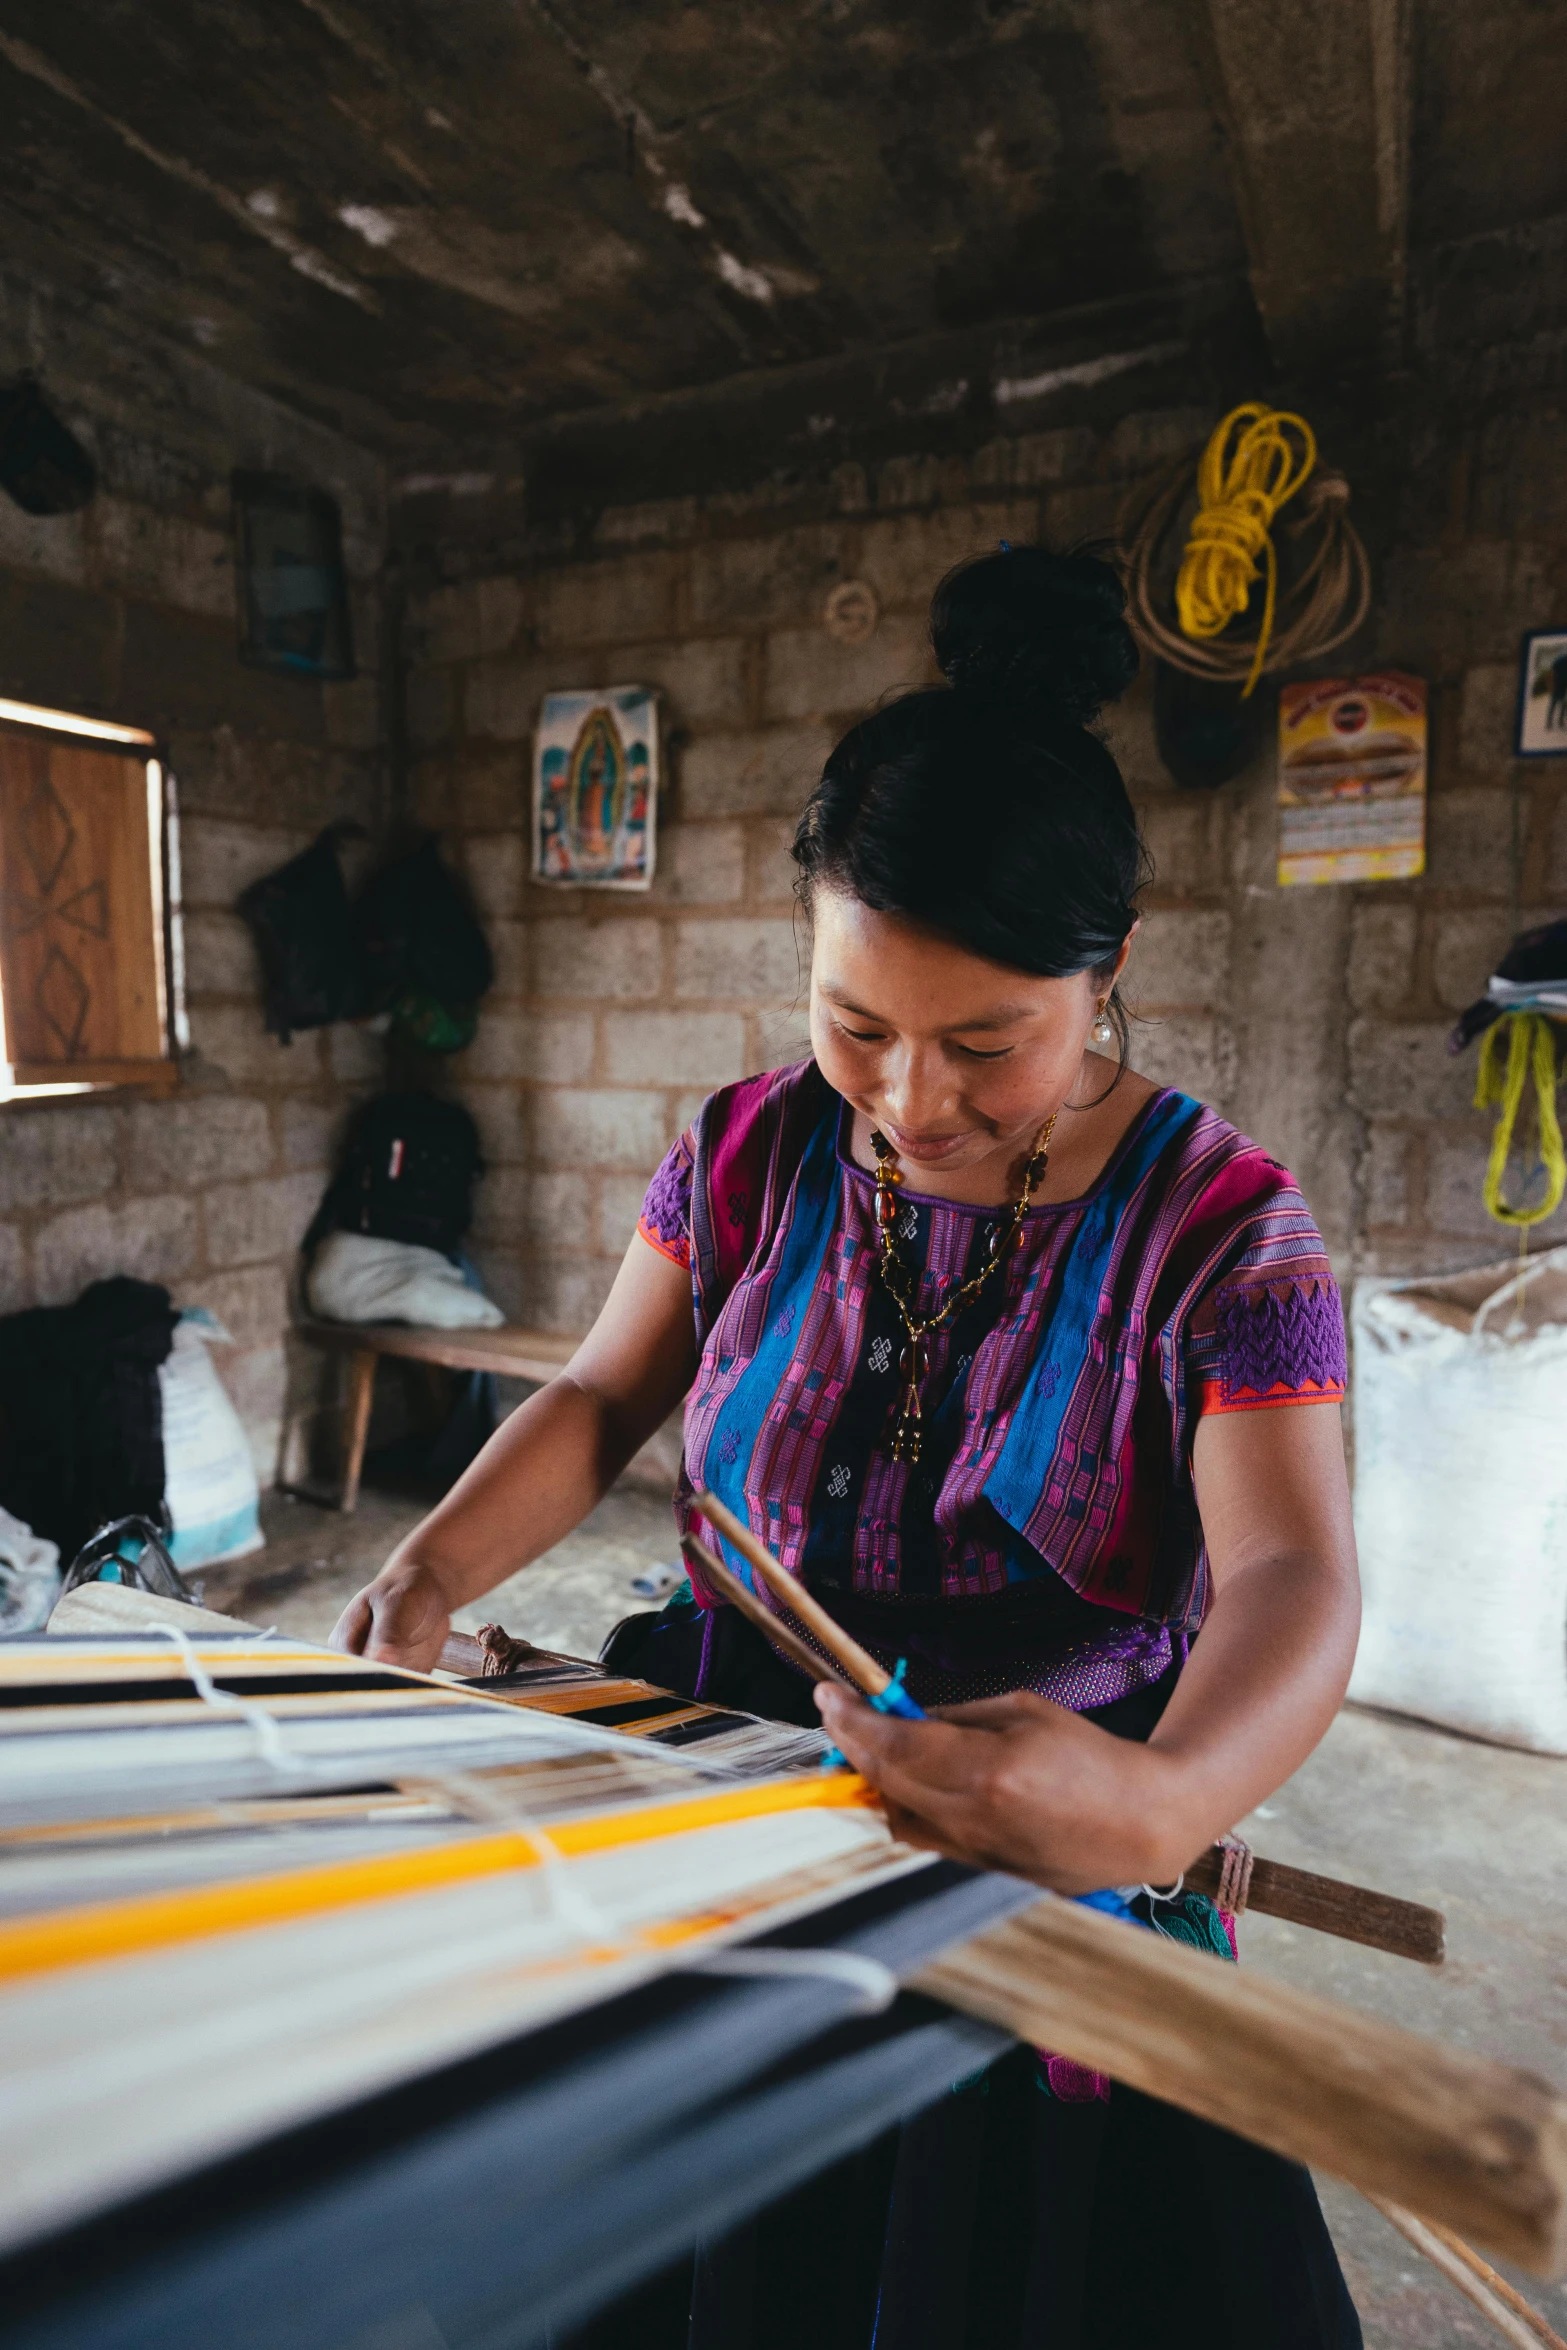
{"x":1321,"y":608}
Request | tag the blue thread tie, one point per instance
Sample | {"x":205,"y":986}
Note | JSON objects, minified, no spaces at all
{"x":894,"y":1699}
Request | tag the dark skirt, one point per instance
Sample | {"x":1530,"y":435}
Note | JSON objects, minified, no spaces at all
{"x":1001,"y":2218}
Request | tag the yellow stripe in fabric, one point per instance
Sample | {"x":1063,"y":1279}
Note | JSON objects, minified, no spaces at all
{"x":121,"y":1929}
{"x":1531,"y":1049}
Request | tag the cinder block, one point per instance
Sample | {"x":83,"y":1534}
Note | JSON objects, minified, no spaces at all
{"x":906,"y":557}
{"x":568,"y":1294}
{"x":164,"y":557}
{"x":1381,"y":955}
{"x":621,"y":960}
{"x":51,"y":543}
{"x":700,"y":865}
{"x":781,"y":578}
{"x":1191,"y":1051}
{"x":505,"y":1280}
{"x":501,"y":698}
{"x":232,"y":1038}
{"x":430,"y":706}
{"x":1469,"y":841}
{"x":218,"y":859}
{"x":16,"y":1288}
{"x":1179,"y":959}
{"x":1129,"y":731}
{"x":523,"y":1209}
{"x":653,"y":522}
{"x":511,"y":1045}
{"x":1184,"y":834}
{"x":58,"y":1151}
{"x":1455,"y":1194}
{"x":356,"y":1053}
{"x":1488,"y":719}
{"x":178,"y":1145}
{"x":351,"y":708}
{"x":619,"y":1206}
{"x":466,"y":621}
{"x":1035,"y":460}
{"x":311,"y":1134}
{"x":1556,"y":880}
{"x":499,"y":1113}
{"x":746,"y":959}
{"x":1156,"y":436}
{"x":493,"y":864}
{"x":687,"y":1108}
{"x":702,"y":682}
{"x":248,"y":1222}
{"x":772,"y":871}
{"x":257,"y":1382}
{"x":253,"y":1305}
{"x":779,"y":1038}
{"x":153,"y":1241}
{"x":1387,"y":1171}
{"x":1467,"y":949}
{"x":1402,"y":1069}
{"x":1083,"y":510}
{"x":597,"y":1129}
{"x":509,"y":947}
{"x":769,"y":774}
{"x":627,"y":599}
{"x":673,"y":1048}
{"x":809,"y":674}
{"x":220,"y":956}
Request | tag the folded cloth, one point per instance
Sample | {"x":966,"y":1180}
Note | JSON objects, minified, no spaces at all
{"x":29,"y":1576}
{"x":1531,"y":977}
{"x":357,"y":1277}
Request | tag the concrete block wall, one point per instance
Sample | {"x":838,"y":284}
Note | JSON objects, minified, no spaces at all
{"x":127,"y":610}
{"x":1315,"y":1018}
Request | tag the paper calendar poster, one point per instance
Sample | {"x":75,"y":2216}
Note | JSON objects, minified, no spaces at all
{"x":1352,"y":779}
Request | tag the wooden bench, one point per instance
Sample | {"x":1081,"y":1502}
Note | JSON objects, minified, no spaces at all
{"x":513,"y":1353}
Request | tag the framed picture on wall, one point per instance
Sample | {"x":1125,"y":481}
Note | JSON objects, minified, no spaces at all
{"x":1542,"y":695}
{"x":595,"y":788}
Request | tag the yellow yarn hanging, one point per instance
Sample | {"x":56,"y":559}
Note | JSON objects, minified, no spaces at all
{"x":1250,"y":468}
{"x":1531,"y":1045}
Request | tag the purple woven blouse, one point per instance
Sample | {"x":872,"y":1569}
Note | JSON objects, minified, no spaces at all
{"x":1049,"y":1538}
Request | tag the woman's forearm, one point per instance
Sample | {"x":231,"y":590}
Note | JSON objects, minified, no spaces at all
{"x":540,"y":1474}
{"x":1264,"y":1680}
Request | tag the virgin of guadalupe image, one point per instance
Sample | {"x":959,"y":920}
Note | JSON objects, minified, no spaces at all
{"x":597,"y":791}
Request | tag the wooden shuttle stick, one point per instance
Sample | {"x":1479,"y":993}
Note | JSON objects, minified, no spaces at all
{"x":1353,"y":1912}
{"x":858,"y":1664}
{"x":787,"y":1643}
{"x":1512,"y":2316}
{"x":1477,"y":2146}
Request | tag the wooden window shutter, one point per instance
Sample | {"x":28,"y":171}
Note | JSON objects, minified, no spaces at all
{"x":82,"y":969}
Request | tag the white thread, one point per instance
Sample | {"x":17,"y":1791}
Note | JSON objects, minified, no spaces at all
{"x":268,"y":1736}
{"x":876,"y":1984}
{"x":1173,"y":1893}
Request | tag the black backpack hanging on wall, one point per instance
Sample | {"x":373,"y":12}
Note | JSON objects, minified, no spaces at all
{"x":408,"y":1173}
{"x":425,"y":958}
{"x":299,"y":916}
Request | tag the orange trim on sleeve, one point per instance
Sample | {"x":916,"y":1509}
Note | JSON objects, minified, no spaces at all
{"x":1215,"y":1401}
{"x":678,"y":1252}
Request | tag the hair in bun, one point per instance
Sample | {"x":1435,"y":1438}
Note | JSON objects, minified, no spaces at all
{"x":1044,"y":633}
{"x":986,"y":808}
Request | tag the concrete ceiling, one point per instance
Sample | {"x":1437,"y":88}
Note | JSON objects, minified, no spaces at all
{"x":441,"y":224}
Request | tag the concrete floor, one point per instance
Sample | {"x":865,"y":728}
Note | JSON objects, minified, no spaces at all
{"x":1478,"y":1831}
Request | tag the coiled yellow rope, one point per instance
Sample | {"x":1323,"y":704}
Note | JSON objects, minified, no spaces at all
{"x":1531,"y":1045}
{"x":1253,"y":464}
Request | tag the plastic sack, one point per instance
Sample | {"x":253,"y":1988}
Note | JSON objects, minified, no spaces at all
{"x":1461,"y":1500}
{"x":209,"y":1480}
{"x":355,"y":1277}
{"x":29,"y":1576}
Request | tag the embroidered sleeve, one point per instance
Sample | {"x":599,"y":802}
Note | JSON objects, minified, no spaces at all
{"x":1271,"y":1328}
{"x":665,"y":1221}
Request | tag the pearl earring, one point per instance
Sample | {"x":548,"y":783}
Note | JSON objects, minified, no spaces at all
{"x":1101,"y":1032}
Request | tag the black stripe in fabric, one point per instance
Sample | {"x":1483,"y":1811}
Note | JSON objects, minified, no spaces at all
{"x":637,"y":1709}
{"x":692,"y":1733}
{"x":233,"y":1685}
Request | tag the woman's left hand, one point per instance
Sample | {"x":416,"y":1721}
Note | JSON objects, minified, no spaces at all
{"x":1020,"y":1784}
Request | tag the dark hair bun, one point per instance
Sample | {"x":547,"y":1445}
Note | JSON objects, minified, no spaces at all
{"x":1041,"y":635}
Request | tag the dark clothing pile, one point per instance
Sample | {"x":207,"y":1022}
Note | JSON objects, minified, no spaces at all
{"x":81,"y":1412}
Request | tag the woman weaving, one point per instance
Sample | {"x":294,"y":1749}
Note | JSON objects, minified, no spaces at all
{"x":1030,"y":1369}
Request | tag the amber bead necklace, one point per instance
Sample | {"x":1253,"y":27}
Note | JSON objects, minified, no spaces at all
{"x":902,"y":1284}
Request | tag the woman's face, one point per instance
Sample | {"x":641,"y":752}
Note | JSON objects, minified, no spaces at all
{"x":954,"y":1058}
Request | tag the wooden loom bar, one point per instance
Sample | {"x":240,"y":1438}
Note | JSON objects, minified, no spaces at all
{"x":1481,"y":2147}
{"x":857,"y":1662}
{"x":772,"y":1628}
{"x":1493,"y":2296}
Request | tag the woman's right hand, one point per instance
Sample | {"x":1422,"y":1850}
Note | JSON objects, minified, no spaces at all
{"x":402,"y":1618}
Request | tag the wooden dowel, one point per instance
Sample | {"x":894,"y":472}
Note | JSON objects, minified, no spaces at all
{"x":1497,"y":2300}
{"x":787,"y":1643}
{"x":1478,"y":2146}
{"x":857,"y":1662}
{"x":1353,"y":1912}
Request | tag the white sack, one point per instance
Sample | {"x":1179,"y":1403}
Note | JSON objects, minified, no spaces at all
{"x":1461,"y":1501}
{"x":356,"y":1278}
{"x":209,"y":1480}
{"x":29,"y":1576}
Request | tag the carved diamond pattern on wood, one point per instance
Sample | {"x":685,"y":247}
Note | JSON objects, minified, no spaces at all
{"x":62,"y":996}
{"x":20,"y":915}
{"x":88,"y":910}
{"x":47,"y":834}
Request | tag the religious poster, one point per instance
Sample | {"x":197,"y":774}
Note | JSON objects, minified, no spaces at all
{"x":1352,"y":779}
{"x":595,"y":788}
{"x":1542,"y":695}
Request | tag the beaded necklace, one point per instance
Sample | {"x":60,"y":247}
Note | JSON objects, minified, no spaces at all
{"x":901,"y":1284}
